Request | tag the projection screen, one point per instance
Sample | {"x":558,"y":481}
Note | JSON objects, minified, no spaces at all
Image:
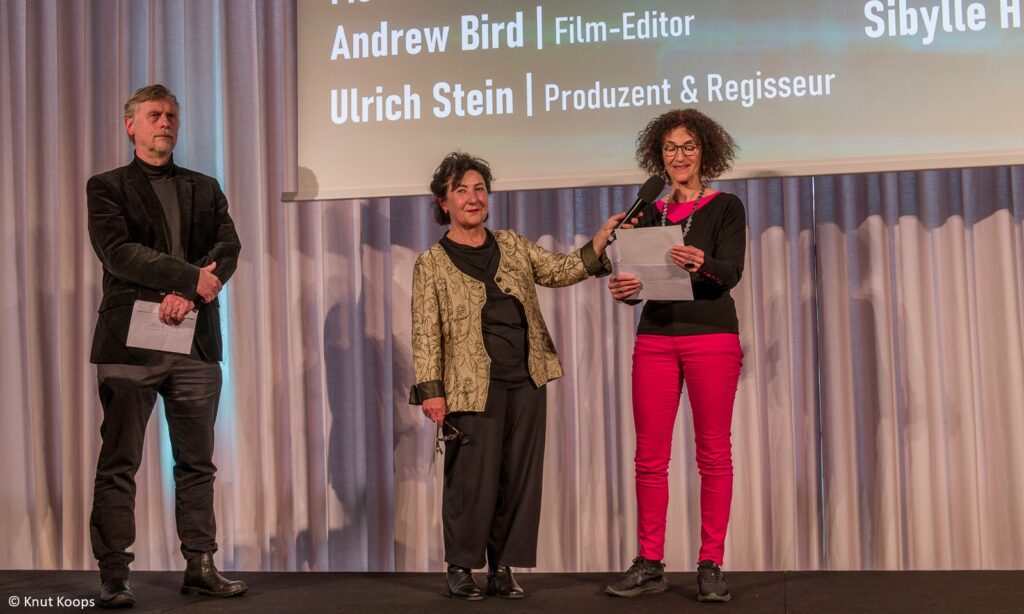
{"x":553,"y":93}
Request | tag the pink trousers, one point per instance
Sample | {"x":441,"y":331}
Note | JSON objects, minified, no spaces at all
{"x":710,"y":367}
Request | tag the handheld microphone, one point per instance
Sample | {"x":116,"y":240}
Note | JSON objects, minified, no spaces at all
{"x":648,"y":193}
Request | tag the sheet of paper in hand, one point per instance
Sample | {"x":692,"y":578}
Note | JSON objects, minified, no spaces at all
{"x":147,"y":331}
{"x":644,"y":252}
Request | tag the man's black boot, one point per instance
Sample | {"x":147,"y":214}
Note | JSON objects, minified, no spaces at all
{"x":202,"y":578}
{"x":116,"y":594}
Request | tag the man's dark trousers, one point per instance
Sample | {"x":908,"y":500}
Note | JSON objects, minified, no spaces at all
{"x":190,"y":388}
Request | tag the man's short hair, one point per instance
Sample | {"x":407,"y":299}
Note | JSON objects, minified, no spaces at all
{"x":145,"y":94}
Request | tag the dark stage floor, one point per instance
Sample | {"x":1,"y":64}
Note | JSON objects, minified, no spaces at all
{"x":769,"y":592}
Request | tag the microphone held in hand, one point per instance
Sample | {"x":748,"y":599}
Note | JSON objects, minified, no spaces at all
{"x":649,"y":192}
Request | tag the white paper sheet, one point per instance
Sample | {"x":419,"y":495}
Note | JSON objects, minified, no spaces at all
{"x":644,"y":252}
{"x":147,"y":331}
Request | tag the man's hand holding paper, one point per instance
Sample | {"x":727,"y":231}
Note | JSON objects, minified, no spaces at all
{"x":149,"y":330}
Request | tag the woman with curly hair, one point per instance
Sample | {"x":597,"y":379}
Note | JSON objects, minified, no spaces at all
{"x":693,"y":342}
{"x":482,"y":357}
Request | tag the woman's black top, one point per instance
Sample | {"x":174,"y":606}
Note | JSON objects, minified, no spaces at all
{"x":719,"y":229}
{"x":503,"y":317}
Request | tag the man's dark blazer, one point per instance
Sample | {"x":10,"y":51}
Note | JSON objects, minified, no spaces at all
{"x":128,"y":230}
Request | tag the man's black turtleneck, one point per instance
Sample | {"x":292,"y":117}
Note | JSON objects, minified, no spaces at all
{"x":162,"y":180}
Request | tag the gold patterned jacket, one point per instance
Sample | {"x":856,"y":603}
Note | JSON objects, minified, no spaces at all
{"x":449,"y":358}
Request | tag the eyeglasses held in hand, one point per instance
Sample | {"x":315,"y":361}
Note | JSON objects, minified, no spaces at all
{"x":446,"y":433}
{"x":453,"y":433}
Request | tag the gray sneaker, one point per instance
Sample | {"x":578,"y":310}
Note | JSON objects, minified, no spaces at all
{"x":643,"y":576}
{"x":710,"y":583}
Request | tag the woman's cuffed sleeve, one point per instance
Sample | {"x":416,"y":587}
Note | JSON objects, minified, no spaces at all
{"x":428,"y":360}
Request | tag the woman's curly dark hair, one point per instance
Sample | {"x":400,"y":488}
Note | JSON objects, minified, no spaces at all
{"x":450,"y":172}
{"x":717,"y":149}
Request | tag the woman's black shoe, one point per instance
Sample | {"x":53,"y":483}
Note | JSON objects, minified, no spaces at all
{"x":500,"y":582}
{"x":711,"y":584}
{"x":643,"y":576}
{"x":461,"y":584}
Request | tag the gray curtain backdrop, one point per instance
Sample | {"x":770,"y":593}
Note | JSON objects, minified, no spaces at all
{"x":879,"y":416}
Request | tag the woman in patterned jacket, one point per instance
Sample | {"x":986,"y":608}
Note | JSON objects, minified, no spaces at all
{"x":482,"y":357}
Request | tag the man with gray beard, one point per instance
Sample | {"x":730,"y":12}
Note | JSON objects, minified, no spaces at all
{"x":164,"y":237}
